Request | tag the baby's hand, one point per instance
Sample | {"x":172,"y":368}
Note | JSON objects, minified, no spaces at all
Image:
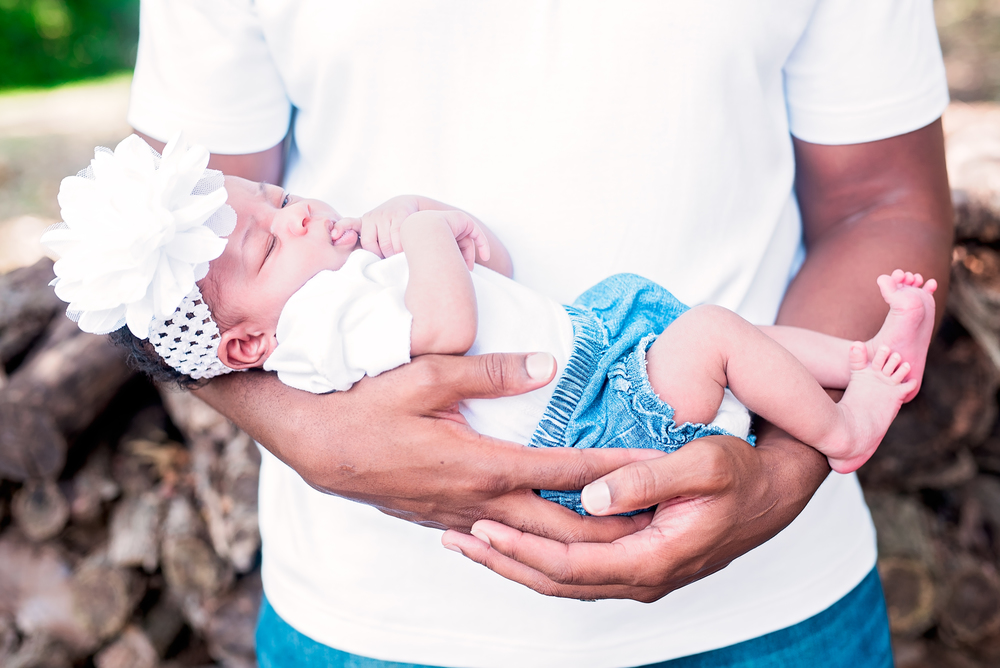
{"x":469,"y":235}
{"x":380,"y":227}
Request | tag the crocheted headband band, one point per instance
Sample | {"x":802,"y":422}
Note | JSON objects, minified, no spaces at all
{"x":138,"y":231}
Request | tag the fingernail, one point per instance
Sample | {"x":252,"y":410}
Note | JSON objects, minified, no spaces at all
{"x":481,"y":536}
{"x":454,"y":548}
{"x":539,"y":365}
{"x":596,"y":497}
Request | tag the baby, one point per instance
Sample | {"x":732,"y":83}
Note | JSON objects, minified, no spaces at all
{"x":324,"y":300}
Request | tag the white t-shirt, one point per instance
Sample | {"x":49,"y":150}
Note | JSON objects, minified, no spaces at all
{"x":652,"y":137}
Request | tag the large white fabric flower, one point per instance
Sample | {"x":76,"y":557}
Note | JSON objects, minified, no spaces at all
{"x":138,"y":231}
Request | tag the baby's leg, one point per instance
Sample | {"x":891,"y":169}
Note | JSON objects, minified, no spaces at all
{"x":708,"y":348}
{"x":907,"y":330}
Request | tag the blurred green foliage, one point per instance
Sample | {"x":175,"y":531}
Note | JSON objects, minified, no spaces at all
{"x":45,"y":42}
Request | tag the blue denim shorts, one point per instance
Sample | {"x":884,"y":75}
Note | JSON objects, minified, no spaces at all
{"x":604,"y":399}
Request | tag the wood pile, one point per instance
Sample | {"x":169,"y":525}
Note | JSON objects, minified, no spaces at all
{"x":128,"y":513}
{"x":934,"y":484}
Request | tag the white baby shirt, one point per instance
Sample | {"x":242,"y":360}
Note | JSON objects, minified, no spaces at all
{"x":345,"y":324}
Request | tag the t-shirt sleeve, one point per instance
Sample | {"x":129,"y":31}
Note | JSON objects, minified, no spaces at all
{"x":864,"y":71}
{"x":343,"y":325}
{"x":203,"y":66}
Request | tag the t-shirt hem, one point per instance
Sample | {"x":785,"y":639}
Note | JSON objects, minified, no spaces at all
{"x":837,"y":127}
{"x":439,"y":648}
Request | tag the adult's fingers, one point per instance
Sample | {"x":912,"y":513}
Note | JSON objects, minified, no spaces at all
{"x":526,"y":511}
{"x":478,"y":547}
{"x":698,"y":469}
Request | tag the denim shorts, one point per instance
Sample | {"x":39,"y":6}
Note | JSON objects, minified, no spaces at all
{"x":604,"y":399}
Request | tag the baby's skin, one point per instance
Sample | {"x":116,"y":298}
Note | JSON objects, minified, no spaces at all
{"x":779,"y":373}
{"x":709,"y":348}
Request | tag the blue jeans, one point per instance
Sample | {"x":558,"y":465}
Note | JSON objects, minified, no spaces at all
{"x":853,"y":632}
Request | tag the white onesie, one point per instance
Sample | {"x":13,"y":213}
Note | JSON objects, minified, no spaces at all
{"x":343,"y":325}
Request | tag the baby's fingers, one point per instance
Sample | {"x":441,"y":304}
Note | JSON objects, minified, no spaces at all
{"x":468,"y":249}
{"x":482,"y":242}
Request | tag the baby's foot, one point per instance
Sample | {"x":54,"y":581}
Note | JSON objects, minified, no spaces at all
{"x":908,"y":327}
{"x":869,"y":405}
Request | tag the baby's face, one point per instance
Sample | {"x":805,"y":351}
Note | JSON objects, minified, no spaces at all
{"x":280,"y":242}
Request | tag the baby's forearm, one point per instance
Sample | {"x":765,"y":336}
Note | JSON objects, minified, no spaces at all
{"x":499,"y":261}
{"x":439,"y":294}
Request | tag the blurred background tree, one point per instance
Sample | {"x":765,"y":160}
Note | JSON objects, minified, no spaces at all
{"x":46,"y":42}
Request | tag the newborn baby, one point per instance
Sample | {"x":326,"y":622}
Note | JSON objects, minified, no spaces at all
{"x":304,"y":292}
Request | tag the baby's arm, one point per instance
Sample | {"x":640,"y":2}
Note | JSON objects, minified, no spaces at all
{"x":380,"y":230}
{"x":439,"y":294}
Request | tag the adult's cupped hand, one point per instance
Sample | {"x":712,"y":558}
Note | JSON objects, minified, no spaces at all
{"x":717,"y":499}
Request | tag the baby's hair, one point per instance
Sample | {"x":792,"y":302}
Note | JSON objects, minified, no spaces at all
{"x":141,"y":356}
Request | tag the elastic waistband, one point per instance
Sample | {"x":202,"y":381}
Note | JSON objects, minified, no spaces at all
{"x":590,"y":340}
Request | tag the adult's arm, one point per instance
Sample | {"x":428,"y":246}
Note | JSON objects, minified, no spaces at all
{"x":398,"y":442}
{"x":867,"y":209}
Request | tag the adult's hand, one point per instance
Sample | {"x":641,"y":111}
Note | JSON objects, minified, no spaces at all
{"x":717,"y":496}
{"x":867,"y":209}
{"x":398,"y":442}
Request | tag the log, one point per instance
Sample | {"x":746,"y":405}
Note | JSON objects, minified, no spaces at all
{"x":27,"y":304}
{"x":131,"y":650}
{"x":135,"y":531}
{"x":970,"y":609}
{"x":972,"y":151}
{"x":36,"y":590}
{"x":232,"y":623}
{"x":194,"y":573}
{"x":92,"y":487}
{"x":8,"y":638}
{"x":225,"y":466}
{"x":40,"y":651}
{"x":163,"y":623}
{"x":903,"y":526}
{"x":103,"y":599}
{"x":40,"y":509}
{"x":909,"y":595}
{"x":975,"y":295}
{"x":226,"y":479}
{"x":146,"y":456}
{"x":57,"y":391}
{"x":31,"y":446}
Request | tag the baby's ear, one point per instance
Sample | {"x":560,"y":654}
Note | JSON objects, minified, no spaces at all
{"x":241,"y":348}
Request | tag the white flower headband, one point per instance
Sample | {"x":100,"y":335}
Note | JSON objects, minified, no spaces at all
{"x":138,"y":231}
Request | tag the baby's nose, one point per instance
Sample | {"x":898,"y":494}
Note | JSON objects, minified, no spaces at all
{"x":296,"y":219}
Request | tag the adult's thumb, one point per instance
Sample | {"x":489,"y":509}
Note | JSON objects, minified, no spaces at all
{"x":497,"y":375}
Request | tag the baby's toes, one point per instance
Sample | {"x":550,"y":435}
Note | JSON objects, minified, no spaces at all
{"x":898,"y":275}
{"x":930,"y":286}
{"x":880,"y":357}
{"x":918,"y":280}
{"x":891,"y":364}
{"x":858,"y":356}
{"x":900,"y":373}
